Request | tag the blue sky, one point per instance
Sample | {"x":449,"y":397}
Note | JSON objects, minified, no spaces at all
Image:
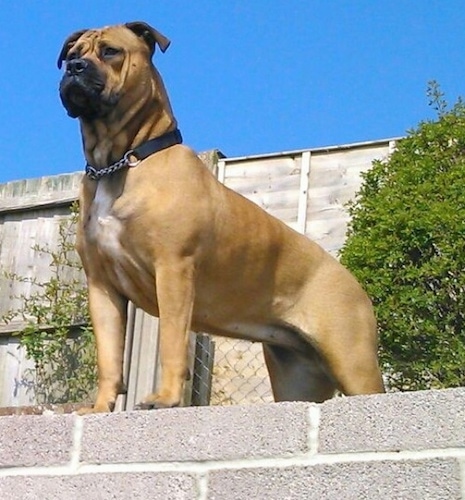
{"x":245,"y":77}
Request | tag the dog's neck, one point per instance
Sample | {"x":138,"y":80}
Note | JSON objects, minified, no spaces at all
{"x":107,"y":139}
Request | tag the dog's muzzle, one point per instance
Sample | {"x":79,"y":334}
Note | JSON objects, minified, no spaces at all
{"x":76,"y":66}
{"x":81,"y":90}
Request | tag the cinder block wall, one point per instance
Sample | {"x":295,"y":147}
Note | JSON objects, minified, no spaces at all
{"x":395,"y":446}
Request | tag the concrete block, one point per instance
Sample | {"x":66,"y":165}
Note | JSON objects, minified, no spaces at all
{"x":134,"y":486}
{"x":387,"y":480}
{"x":28,"y":440}
{"x":391,"y":422}
{"x":184,"y":434}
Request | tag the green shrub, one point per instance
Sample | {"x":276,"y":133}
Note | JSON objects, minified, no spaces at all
{"x":406,"y":244}
{"x":57,"y":335}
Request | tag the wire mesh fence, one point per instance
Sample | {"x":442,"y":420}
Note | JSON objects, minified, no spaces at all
{"x":239,"y":373}
{"x":229,"y":372}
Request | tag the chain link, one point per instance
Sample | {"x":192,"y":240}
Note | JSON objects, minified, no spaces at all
{"x":96,"y":174}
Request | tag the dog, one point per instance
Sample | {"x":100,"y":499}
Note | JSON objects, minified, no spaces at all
{"x":157,"y":228}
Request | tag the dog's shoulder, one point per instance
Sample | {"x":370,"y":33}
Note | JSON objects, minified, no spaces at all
{"x":185,"y":160}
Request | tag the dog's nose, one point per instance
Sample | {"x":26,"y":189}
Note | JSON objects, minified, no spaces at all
{"x":76,"y":66}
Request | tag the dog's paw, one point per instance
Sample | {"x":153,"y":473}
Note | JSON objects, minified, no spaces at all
{"x":145,"y":406}
{"x":156,"y":402}
{"x":97,"y":408}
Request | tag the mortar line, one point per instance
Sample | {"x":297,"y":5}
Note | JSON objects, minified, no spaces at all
{"x":314,"y":428}
{"x":203,"y":467}
{"x":462,"y":478}
{"x":202,"y":485}
{"x":77,"y":442}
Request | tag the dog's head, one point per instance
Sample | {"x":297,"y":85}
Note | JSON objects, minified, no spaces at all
{"x":102,"y":65}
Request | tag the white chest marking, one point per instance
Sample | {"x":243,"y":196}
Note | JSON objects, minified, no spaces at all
{"x":106,"y":231}
{"x":102,"y":224}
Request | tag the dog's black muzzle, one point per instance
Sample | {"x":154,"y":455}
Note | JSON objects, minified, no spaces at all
{"x":81,"y":90}
{"x":76,"y":67}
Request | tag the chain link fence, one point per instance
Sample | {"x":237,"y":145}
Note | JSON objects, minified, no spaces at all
{"x":229,"y":372}
{"x":239,"y":373}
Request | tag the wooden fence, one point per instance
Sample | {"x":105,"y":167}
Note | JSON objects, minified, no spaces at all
{"x":306,"y":189}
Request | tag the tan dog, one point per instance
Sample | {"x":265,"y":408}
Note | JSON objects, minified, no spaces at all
{"x":164,"y":233}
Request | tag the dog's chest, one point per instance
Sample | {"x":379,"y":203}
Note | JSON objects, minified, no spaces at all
{"x":105,"y":231}
{"x":104,"y":228}
{"x":108,"y":235}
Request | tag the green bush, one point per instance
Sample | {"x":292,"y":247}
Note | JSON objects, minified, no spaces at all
{"x":57,"y":335}
{"x":406,"y":244}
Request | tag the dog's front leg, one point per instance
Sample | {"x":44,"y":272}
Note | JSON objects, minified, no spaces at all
{"x":175,"y":294}
{"x":108,"y":311}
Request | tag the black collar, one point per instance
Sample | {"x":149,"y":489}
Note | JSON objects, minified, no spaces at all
{"x":140,"y":153}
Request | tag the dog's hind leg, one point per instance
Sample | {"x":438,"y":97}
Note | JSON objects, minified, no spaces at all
{"x":348,"y":346}
{"x":336,"y":318}
{"x":297,"y":377}
{"x":355,"y":368}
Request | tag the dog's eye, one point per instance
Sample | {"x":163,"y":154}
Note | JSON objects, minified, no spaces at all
{"x":108,"y":52}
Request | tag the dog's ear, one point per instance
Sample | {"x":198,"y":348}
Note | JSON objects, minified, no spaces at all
{"x":150,"y":35}
{"x":68,"y":43}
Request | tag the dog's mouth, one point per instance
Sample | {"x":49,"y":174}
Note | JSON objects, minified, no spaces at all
{"x":82,"y":96}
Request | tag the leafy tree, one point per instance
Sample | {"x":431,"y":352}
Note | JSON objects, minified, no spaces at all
{"x":406,"y":244}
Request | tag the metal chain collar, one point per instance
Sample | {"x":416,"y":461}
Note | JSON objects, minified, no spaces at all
{"x":97,"y":173}
{"x":141,"y":152}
